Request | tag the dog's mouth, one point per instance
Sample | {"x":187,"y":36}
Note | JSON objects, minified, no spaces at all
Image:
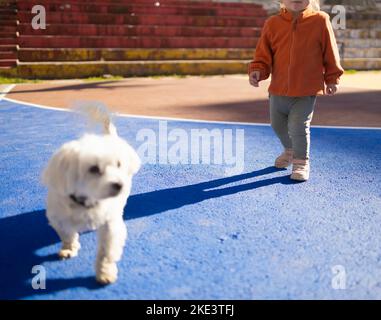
{"x":82,"y":201}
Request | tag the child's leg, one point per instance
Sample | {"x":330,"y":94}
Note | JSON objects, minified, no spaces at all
{"x":299,"y":121}
{"x":279,"y":109}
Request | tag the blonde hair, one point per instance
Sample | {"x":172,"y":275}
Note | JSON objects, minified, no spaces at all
{"x":314,"y":3}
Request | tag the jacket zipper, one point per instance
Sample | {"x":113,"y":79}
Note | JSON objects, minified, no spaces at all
{"x":291,"y":49}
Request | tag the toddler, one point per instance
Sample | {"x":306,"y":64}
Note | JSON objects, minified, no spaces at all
{"x":298,"y":48}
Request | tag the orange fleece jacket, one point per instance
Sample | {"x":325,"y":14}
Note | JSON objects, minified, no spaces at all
{"x":301,"y":54}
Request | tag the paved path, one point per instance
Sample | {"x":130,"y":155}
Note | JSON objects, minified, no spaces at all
{"x":224,"y":98}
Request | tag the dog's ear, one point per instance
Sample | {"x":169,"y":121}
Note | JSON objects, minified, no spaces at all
{"x":133,"y":160}
{"x":62,"y":169}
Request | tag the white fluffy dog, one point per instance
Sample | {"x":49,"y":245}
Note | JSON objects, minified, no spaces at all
{"x":89,"y":181}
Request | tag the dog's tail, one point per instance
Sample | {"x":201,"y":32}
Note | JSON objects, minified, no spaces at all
{"x":98,"y":114}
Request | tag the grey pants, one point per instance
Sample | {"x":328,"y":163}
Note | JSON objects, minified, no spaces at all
{"x":290,"y":119}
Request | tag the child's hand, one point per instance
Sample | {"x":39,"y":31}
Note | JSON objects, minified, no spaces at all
{"x":254,"y":78}
{"x":331,"y":89}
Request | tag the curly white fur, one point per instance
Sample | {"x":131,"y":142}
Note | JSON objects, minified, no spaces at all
{"x":89,"y":181}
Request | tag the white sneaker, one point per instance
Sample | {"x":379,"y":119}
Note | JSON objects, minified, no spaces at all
{"x":285,"y":159}
{"x":300,"y":170}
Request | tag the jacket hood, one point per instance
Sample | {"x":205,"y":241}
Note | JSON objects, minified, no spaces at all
{"x":307,"y":12}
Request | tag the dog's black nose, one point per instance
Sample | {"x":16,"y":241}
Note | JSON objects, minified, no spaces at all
{"x":116,"y":187}
{"x":81,"y":200}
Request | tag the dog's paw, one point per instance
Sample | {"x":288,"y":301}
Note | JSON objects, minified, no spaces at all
{"x":105,"y":278}
{"x":69,"y":250}
{"x":107,"y":274}
{"x":67,"y":253}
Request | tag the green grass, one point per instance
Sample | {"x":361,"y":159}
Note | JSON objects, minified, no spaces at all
{"x":180,"y":76}
{"x":5,"y":80}
{"x":8,"y":80}
{"x":103,"y":78}
{"x":350,"y":71}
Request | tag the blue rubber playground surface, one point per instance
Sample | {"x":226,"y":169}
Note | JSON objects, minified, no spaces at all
{"x":195,"y":232}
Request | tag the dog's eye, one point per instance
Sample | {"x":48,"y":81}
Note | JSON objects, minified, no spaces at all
{"x":118,"y":164}
{"x":94,"y":170}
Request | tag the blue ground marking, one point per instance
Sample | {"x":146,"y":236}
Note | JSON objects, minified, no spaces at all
{"x":195,"y":234}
